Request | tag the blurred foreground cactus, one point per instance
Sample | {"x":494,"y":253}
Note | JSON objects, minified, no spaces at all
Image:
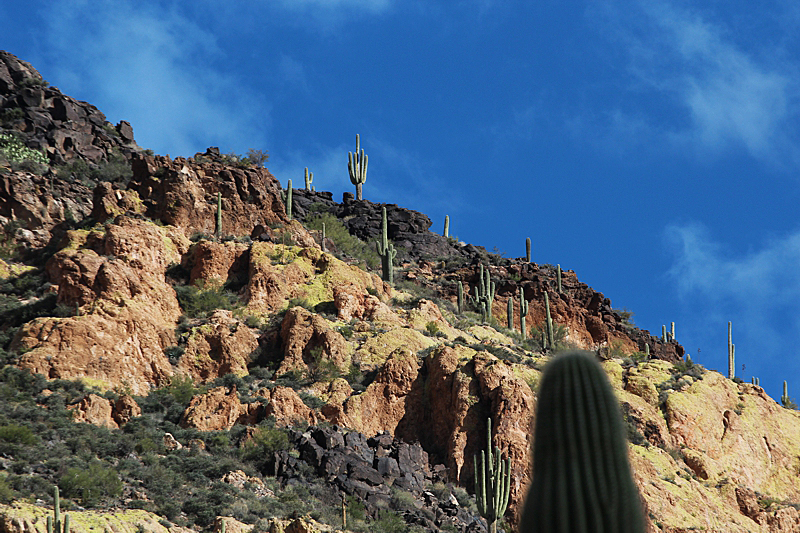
{"x":582,"y":480}
{"x":492,"y":482}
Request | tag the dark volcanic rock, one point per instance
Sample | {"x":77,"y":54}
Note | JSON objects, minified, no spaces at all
{"x":352,"y":464}
{"x":64,"y":128}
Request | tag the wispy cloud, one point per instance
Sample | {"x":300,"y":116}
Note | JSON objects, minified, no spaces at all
{"x":374,"y":6}
{"x":757,"y":290}
{"x":143,"y":63}
{"x":729,"y":95}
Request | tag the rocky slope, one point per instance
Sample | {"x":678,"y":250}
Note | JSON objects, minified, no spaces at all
{"x":127,"y":300}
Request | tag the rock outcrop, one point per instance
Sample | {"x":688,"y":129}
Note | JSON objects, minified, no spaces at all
{"x":64,"y":128}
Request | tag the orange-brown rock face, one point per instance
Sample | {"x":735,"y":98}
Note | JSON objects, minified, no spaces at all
{"x":94,"y":409}
{"x":127,"y":311}
{"x":222,"y":346}
{"x":446,"y":409}
{"x":183,"y":193}
{"x":303,"y":334}
{"x":218,"y":409}
{"x":287,"y":407}
{"x":387,"y":400}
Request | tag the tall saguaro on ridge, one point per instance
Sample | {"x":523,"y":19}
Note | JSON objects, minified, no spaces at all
{"x":357,"y":166}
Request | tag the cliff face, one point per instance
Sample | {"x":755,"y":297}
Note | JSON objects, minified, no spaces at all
{"x":706,"y":452}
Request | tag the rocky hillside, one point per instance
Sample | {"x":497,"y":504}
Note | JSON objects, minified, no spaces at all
{"x":178,"y":310}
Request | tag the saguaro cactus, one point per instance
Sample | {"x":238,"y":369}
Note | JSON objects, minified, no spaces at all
{"x":528,"y":249}
{"x":582,"y":480}
{"x":446,"y":226}
{"x":492,"y":482}
{"x":548,"y":323}
{"x":731,"y":349}
{"x":357,"y":166}
{"x":523,"y":312}
{"x":289,"y":200}
{"x":785,"y":397}
{"x":484,"y":293}
{"x":510,"y":313}
{"x":54,"y":522}
{"x":460,"y":300}
{"x":386,"y":251}
{"x":558,"y":278}
{"x":219,"y":214}
{"x":309,"y":177}
{"x":647,"y":351}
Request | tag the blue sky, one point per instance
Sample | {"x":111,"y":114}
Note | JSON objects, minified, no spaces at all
{"x":651,"y":146}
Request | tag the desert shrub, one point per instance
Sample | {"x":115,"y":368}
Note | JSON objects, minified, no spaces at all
{"x":91,"y":484}
{"x":197,"y":301}
{"x":344,"y":242}
{"x":265,"y":442}
{"x":13,"y":150}
{"x":7,"y":493}
{"x":389,"y":522}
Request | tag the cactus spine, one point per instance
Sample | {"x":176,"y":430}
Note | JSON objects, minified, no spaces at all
{"x":386,"y":251}
{"x":523,"y":312}
{"x":357,"y":166}
{"x":510,"y":313}
{"x":54,"y":523}
{"x":484,"y":294}
{"x":492,"y":482}
{"x":309,"y":177}
{"x":460,"y":300}
{"x":446,"y":226}
{"x":548,"y":323}
{"x":731,"y":367}
{"x":558,"y":278}
{"x":582,"y":479}
{"x":219,"y":214}
{"x":528,"y":249}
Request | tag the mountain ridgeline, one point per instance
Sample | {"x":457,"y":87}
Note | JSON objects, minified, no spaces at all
{"x":192,"y":344}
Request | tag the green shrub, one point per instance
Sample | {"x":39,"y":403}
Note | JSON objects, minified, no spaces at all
{"x":196,"y":301}
{"x":91,"y":484}
{"x":344,"y":242}
{"x":265,"y":442}
{"x":16,"y":434}
{"x":7,"y":494}
{"x":13,"y":150}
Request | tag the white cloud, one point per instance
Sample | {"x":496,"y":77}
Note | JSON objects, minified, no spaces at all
{"x":732,"y":95}
{"x":374,"y":6}
{"x":758,"y":291}
{"x":152,"y":66}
